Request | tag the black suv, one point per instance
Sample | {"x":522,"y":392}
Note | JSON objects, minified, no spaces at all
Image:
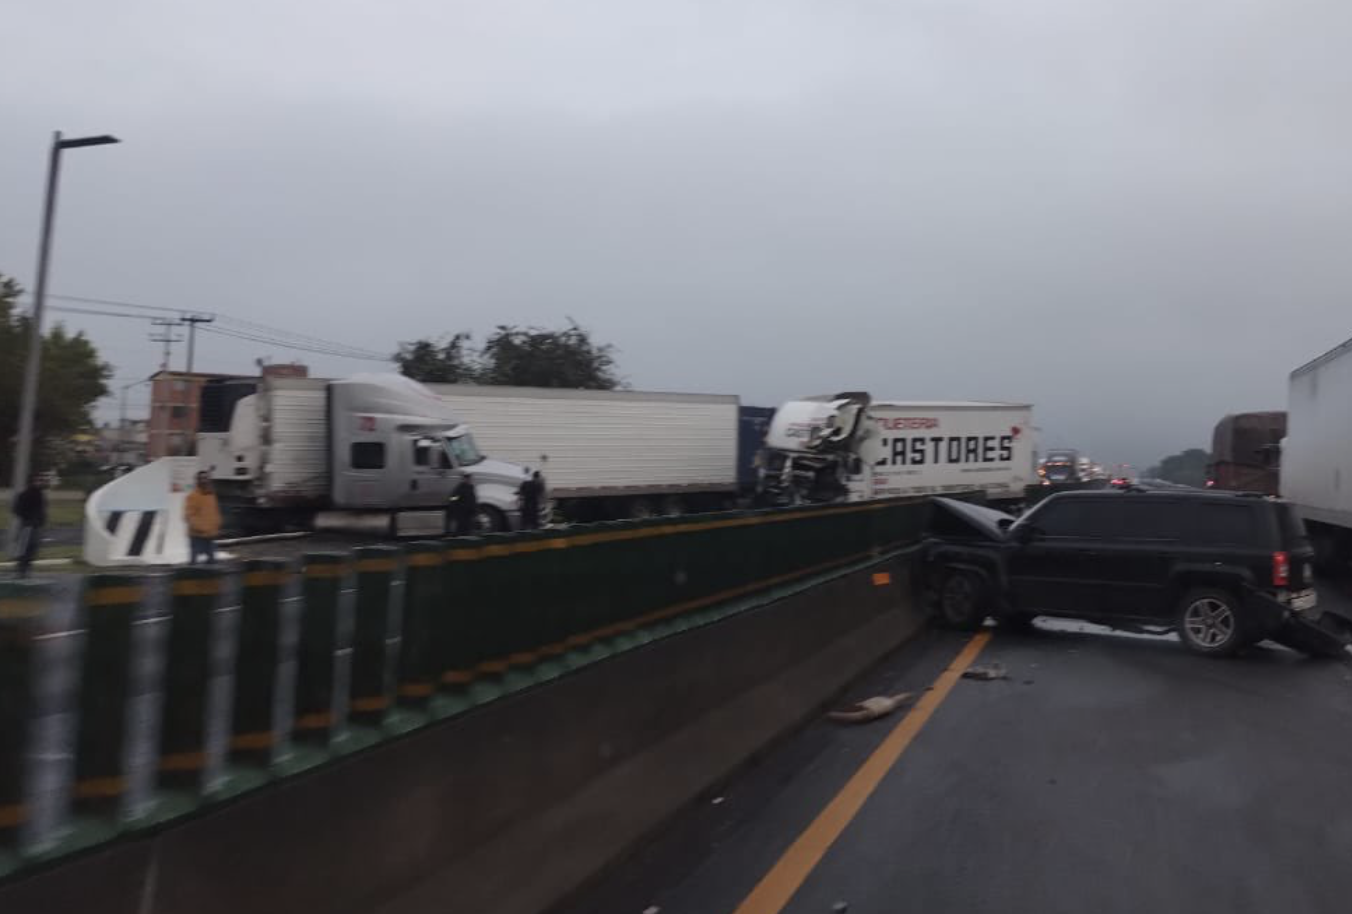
{"x":1223,"y":570}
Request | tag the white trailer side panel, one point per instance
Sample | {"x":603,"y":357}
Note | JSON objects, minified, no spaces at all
{"x":929,"y":448}
{"x":1316,"y":469}
{"x":293,"y":422}
{"x":605,"y":442}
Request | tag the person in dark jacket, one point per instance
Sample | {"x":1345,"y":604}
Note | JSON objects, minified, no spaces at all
{"x":529,"y":496}
{"x":464,"y":507}
{"x":30,"y":507}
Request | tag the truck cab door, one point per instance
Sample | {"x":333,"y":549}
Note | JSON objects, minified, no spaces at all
{"x":431,"y":477}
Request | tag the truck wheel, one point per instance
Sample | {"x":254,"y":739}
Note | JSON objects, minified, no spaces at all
{"x":1210,"y":622}
{"x":962,"y":601}
{"x":488,"y":519}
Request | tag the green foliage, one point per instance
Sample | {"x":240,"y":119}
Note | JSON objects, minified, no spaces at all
{"x":73,"y":378}
{"x":445,"y":361}
{"x":514,"y":356}
{"x":1187,"y":468}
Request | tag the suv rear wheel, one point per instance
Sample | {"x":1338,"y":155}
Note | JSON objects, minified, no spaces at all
{"x":1209,"y":622}
{"x":962,"y":600}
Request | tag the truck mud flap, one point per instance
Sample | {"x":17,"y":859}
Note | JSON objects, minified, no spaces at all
{"x":1313,"y":638}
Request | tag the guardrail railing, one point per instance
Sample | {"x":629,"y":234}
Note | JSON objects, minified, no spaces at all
{"x":129,"y":699}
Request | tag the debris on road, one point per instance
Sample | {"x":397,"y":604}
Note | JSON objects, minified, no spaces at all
{"x":871,"y":708}
{"x":840,"y":906}
{"x":985,"y":671}
{"x":716,"y":800}
{"x":652,"y":909}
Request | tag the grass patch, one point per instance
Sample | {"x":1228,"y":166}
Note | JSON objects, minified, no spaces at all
{"x":65,"y":512}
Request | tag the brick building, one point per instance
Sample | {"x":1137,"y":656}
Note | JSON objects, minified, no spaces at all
{"x":171,"y":428}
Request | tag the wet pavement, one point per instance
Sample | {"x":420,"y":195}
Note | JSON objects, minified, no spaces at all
{"x":1106,"y":773}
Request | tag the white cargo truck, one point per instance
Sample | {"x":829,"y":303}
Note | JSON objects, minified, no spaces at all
{"x":374,"y":453}
{"x":611,"y":453}
{"x":850,"y":447}
{"x":1316,"y":455}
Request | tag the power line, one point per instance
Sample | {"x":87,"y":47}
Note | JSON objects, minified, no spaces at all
{"x":253,"y":326}
{"x":282,"y":344}
{"x":263,"y":334}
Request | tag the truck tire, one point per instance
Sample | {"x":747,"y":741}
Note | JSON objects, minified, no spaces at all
{"x":963,"y":602}
{"x":488,"y":519}
{"x":1211,"y":622}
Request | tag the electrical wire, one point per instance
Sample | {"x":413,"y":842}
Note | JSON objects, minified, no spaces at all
{"x":275,"y":335}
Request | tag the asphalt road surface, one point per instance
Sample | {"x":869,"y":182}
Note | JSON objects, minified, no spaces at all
{"x":1107,"y":773}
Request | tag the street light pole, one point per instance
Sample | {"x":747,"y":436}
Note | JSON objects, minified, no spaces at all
{"x":23,"y":450}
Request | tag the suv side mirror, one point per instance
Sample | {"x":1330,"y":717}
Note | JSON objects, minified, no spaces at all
{"x":1004,"y":524}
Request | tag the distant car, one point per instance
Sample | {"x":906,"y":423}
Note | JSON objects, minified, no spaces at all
{"x":1222,"y":570}
{"x":1120,"y":482}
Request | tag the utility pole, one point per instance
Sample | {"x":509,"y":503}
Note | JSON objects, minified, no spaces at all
{"x":192,"y":323}
{"x":194,"y":392}
{"x":167,"y":337}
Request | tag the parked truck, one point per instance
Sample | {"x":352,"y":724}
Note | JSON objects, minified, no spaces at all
{"x":1316,"y":455}
{"x":1246,"y":452}
{"x":850,"y":447}
{"x":300,"y":452}
{"x":374,"y":453}
{"x":619,"y":453}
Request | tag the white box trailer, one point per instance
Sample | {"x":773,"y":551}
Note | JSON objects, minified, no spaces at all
{"x":849,"y":446}
{"x":1316,"y":460}
{"x":610,"y":453}
{"x":928,"y":448}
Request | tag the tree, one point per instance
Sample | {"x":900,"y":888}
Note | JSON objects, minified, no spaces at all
{"x":1187,"y":467}
{"x":72,"y":380}
{"x":445,"y":361}
{"x":514,"y":356}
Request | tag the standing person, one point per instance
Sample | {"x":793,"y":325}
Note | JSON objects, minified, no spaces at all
{"x":464,"y":507}
{"x":30,"y":507}
{"x":528,"y":496}
{"x":203,"y":513}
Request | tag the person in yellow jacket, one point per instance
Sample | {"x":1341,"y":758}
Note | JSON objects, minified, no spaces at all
{"x":203,"y":514}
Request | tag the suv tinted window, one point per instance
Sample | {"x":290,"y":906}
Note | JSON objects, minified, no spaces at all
{"x":1226,"y":524}
{"x":1058,"y":519}
{"x":1115,"y":517}
{"x":1126,"y":517}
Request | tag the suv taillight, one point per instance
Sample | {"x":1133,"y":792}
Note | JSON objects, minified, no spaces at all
{"x":1281,"y":569}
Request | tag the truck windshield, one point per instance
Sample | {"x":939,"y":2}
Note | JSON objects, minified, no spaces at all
{"x":463,"y":450}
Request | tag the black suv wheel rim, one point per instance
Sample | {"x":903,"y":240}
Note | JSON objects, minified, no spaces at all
{"x":1209,"y":622}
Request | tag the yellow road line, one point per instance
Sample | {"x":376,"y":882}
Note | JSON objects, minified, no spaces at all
{"x":777,"y":886}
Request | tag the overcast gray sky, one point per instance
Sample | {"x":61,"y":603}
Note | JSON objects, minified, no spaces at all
{"x":1134,"y":214}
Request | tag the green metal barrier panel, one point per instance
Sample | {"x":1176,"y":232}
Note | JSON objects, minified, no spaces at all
{"x":345,"y":650}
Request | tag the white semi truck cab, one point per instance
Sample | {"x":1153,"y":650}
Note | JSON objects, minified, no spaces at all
{"x":369,"y":453}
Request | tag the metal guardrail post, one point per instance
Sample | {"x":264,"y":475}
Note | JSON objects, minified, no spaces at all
{"x":109,"y":606}
{"x":458,"y":642}
{"x":417,"y":674}
{"x":491,"y":620}
{"x":194,"y":593}
{"x":322,"y":580}
{"x":21,"y":608}
{"x":376,"y":567}
{"x":253,"y":740}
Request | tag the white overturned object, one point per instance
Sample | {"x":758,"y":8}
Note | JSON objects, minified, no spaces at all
{"x":137,"y":519}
